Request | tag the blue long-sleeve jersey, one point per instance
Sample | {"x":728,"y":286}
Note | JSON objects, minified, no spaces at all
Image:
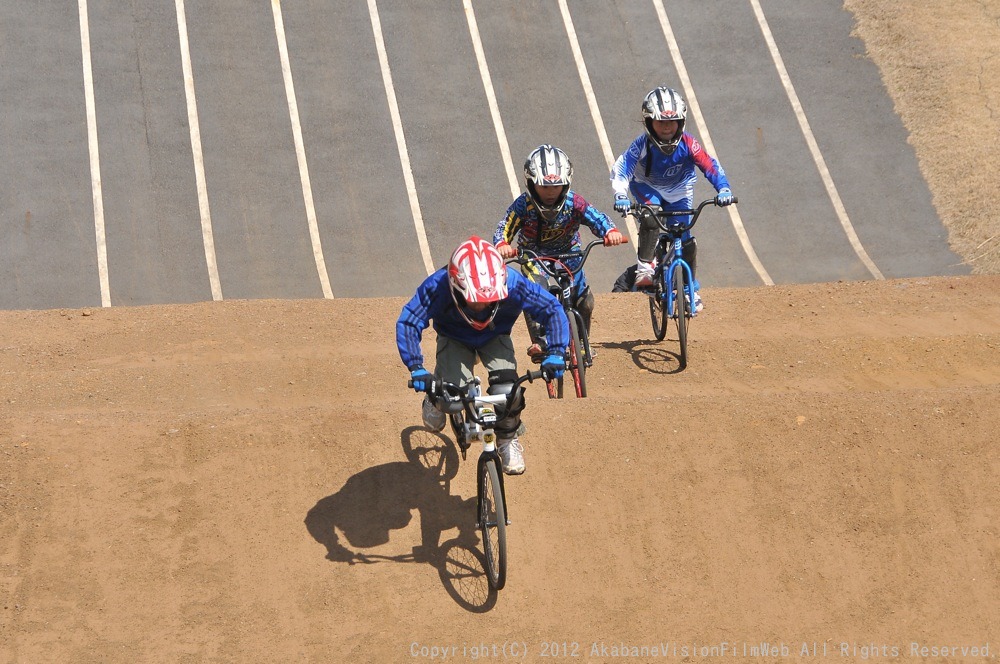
{"x":659,"y":179}
{"x":433,"y":302}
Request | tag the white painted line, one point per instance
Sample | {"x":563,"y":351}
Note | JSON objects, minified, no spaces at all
{"x":831,"y":189}
{"x":397,"y":127}
{"x":95,"y":157}
{"x":706,"y":139}
{"x":199,"y":162}
{"x":595,"y":111}
{"x":491,"y":98}
{"x":300,"y":150}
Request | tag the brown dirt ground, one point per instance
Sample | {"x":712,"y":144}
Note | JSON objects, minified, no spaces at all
{"x":245,"y":481}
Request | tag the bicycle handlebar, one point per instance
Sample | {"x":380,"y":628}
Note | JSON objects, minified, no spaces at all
{"x":660,"y":215}
{"x":452,"y":392}
{"x":526,"y":255}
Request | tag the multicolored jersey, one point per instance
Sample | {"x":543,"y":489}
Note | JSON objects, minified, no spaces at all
{"x":655,"y":178}
{"x":433,"y":302}
{"x":558,"y":236}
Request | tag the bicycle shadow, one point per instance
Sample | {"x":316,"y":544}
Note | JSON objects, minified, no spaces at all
{"x":648,"y":355}
{"x":380,"y":499}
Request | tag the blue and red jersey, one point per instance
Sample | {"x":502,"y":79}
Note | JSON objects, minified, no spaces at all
{"x":655,"y":178}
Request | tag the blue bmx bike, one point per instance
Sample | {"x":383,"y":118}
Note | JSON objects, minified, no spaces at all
{"x":671,"y":295}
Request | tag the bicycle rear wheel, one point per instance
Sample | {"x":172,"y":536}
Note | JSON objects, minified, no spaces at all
{"x":493,"y":523}
{"x":577,"y":368}
{"x":658,"y":306}
{"x":681,"y":310}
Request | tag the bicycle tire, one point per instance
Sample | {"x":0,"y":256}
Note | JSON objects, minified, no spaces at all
{"x":577,"y":367}
{"x":658,"y":313}
{"x":493,"y":523}
{"x":681,"y":310}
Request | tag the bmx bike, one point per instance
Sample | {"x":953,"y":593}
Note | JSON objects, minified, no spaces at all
{"x":562,"y":284}
{"x":671,"y":296}
{"x":473,"y":416}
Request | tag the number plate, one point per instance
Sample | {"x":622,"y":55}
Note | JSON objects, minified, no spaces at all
{"x":488,"y":415}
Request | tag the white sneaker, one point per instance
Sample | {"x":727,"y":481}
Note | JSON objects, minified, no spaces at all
{"x":434,"y":419}
{"x":643,"y":274}
{"x":511,"y":455}
{"x":698,"y":306}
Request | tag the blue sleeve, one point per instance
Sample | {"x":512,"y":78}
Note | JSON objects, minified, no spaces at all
{"x":621,"y":172}
{"x":416,"y":316}
{"x":544,"y":308}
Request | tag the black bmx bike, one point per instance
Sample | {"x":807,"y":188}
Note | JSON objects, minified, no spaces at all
{"x":473,"y":416}
{"x":562,"y":284}
{"x":671,"y":295}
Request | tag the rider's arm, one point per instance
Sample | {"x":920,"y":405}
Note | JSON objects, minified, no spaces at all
{"x":598,"y":222}
{"x":510,"y":225}
{"x":708,"y":164}
{"x":544,"y":308}
{"x":621,"y":172}
{"x":416,"y":316}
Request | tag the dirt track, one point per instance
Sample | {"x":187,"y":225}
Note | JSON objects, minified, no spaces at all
{"x":173,"y":480}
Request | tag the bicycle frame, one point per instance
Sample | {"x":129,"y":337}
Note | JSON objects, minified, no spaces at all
{"x":670,"y":241}
{"x":565,"y":291}
{"x":672,"y":294}
{"x":663,"y":274}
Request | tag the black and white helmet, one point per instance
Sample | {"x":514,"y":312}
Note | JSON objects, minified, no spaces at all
{"x":547,"y":165}
{"x":664,"y":104}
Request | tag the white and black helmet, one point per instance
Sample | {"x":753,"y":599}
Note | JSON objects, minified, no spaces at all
{"x":664,"y":104}
{"x":547,"y":165}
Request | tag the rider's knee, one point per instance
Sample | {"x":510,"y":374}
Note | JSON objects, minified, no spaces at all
{"x":501,"y":381}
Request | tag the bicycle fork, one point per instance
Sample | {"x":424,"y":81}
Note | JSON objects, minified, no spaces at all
{"x":668,"y":276}
{"x":490,"y":452}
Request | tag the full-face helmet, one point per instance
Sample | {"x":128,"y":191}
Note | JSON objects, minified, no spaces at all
{"x":477,"y":274}
{"x":547,"y":165}
{"x":664,"y":104}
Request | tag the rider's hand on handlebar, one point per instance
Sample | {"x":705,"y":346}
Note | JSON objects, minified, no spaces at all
{"x":621,"y":204}
{"x":421,"y":379}
{"x":553,"y":365}
{"x":613,"y":238}
{"x":506,"y":251}
{"x":724,"y":198}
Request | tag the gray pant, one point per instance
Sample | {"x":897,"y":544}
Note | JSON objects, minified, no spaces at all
{"x":455,"y":363}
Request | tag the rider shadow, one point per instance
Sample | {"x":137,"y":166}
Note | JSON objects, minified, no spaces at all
{"x":380,"y":499}
{"x":647,"y":355}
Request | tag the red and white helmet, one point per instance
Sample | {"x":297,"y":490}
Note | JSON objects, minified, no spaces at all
{"x":477,"y":274}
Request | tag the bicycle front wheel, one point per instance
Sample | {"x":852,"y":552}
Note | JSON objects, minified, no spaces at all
{"x":681,"y":311}
{"x":493,"y":523}
{"x":577,"y":367}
